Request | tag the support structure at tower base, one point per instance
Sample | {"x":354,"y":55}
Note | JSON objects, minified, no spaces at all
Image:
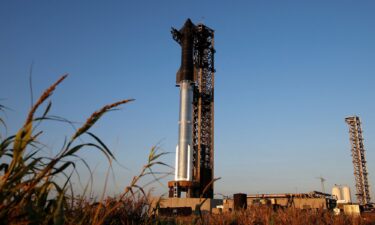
{"x":173,"y":205}
{"x":190,"y":187}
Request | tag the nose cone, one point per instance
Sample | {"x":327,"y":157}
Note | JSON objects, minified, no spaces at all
{"x":187,"y":28}
{"x":188,"y":23}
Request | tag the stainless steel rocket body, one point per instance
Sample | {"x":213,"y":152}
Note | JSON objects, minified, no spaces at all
{"x":185,"y":80}
{"x":184,"y":151}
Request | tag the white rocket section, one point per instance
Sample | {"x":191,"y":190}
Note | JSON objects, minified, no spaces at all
{"x":190,"y":163}
{"x":176,"y":164}
{"x":184,"y":164}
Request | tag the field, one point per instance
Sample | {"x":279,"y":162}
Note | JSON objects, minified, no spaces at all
{"x":267,"y":216}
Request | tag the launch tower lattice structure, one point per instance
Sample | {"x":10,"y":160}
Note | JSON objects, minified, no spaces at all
{"x":201,"y":184}
{"x":359,"y":161}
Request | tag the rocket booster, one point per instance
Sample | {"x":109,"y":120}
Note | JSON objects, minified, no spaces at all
{"x":184,"y":151}
{"x":185,"y":80}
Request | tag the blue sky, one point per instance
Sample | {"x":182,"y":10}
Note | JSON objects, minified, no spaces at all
{"x":288,"y":73}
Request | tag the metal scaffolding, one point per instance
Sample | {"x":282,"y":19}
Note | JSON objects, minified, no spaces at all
{"x":203,"y":126}
{"x":359,"y":161}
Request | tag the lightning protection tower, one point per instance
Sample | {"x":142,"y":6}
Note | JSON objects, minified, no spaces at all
{"x":359,"y":161}
{"x":194,"y":168}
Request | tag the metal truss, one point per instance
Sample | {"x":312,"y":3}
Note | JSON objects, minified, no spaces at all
{"x":203,"y":129}
{"x":359,"y":161}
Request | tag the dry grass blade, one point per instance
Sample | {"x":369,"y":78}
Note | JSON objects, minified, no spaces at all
{"x":23,"y":136}
{"x":43,"y":97}
{"x":209,"y":185}
{"x":103,"y":193}
{"x":96,"y":115}
{"x":199,"y":206}
{"x":129,"y":192}
{"x":2,"y":122}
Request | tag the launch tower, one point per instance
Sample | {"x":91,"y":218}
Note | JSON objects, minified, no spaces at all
{"x":359,"y":161}
{"x":194,"y":168}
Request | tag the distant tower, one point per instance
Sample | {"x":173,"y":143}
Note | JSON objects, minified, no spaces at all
{"x":322,"y":180}
{"x":194,"y":168}
{"x":359,"y":161}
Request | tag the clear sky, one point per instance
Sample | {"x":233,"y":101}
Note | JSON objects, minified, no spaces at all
{"x":288,"y":73}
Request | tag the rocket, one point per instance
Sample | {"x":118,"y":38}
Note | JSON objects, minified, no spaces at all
{"x":185,"y":81}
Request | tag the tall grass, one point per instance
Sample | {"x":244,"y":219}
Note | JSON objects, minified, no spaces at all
{"x":37,"y":189}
